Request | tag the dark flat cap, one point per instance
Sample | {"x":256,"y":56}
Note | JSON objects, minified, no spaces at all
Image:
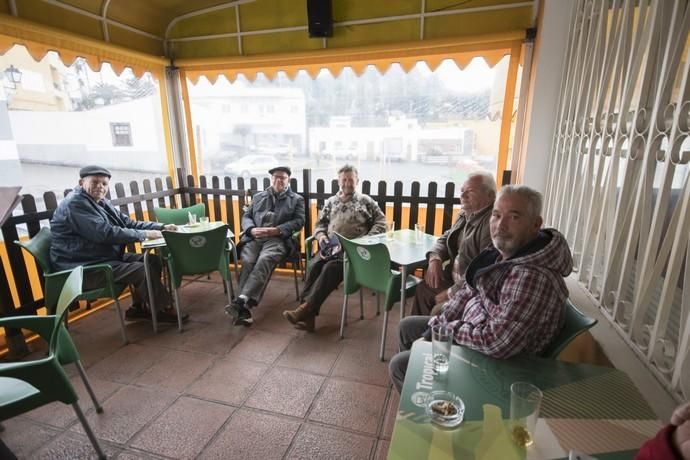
{"x":285,"y":169}
{"x":93,"y":170}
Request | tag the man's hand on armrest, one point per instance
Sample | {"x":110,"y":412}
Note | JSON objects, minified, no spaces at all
{"x":433,"y":273}
{"x":153,"y":234}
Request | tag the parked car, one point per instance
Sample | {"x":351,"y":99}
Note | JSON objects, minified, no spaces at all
{"x":435,"y":157}
{"x":250,"y":166}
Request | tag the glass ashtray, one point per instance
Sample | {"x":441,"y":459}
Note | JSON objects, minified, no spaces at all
{"x":445,"y":408}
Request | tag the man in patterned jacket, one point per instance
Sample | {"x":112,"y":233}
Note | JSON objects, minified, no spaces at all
{"x":513,"y":300}
{"x":350,"y":214}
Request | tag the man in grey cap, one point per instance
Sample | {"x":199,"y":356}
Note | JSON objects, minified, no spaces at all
{"x":267,"y":226}
{"x":87,"y":229}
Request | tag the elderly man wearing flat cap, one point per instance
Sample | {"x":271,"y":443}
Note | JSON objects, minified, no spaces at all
{"x":87,"y":229}
{"x":267,"y":225}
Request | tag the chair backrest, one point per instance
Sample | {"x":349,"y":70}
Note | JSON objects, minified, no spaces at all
{"x":197,"y":253}
{"x":368,"y":265}
{"x":71,"y":290}
{"x":179,"y":216}
{"x":575,"y":324}
{"x":39,"y":248}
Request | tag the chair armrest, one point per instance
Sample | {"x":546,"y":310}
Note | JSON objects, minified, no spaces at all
{"x":42,"y":325}
{"x":105,"y":268}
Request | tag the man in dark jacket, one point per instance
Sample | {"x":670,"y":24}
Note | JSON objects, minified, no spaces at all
{"x":267,"y":225}
{"x":87,"y":229}
{"x":458,"y":245}
{"x":513,"y":300}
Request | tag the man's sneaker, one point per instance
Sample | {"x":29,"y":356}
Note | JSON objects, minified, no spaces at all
{"x":234,"y":308}
{"x":244,"y":317}
{"x":136,"y":313}
{"x":169,"y":315}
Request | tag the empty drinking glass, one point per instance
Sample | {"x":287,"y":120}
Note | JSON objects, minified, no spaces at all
{"x":203,"y":221}
{"x":191,"y":218}
{"x":390,"y":228}
{"x":419,"y":233}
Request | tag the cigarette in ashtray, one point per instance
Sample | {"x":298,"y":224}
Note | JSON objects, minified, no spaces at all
{"x":445,"y":408}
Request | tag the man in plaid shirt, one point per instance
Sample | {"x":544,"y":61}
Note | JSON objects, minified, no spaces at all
{"x":513,"y":299}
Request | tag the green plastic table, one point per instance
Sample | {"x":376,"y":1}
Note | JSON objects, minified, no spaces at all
{"x":592,"y":409}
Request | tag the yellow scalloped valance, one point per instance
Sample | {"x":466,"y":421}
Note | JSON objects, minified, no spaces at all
{"x":38,"y":40}
{"x":492,"y":48}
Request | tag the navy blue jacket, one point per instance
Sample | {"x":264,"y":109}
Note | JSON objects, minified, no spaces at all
{"x":85,"y":232}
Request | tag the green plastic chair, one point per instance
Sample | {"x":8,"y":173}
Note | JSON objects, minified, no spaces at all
{"x":179,"y":216}
{"x":197,"y":253}
{"x":368,"y":265}
{"x":575,"y":324}
{"x":26,"y":385}
{"x":39,"y":248}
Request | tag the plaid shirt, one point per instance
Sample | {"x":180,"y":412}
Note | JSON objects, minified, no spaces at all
{"x":512,"y":306}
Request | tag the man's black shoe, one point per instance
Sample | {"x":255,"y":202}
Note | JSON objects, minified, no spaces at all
{"x":234,"y":307}
{"x":135,"y":314}
{"x":244,"y":317}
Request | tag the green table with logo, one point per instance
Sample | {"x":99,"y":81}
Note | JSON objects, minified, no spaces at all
{"x":592,"y":409}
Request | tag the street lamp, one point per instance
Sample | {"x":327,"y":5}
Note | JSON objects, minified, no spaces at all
{"x":13,"y":76}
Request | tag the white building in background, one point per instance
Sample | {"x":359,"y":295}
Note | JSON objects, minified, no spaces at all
{"x":125,"y":136}
{"x":403,"y":139}
{"x":248,"y":120}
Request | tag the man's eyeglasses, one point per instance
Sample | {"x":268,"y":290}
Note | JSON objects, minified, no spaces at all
{"x":281,"y":177}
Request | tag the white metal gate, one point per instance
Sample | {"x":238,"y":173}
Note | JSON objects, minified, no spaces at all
{"x":618,"y":175}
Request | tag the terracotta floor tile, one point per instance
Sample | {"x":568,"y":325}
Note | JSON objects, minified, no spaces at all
{"x":352,"y":405}
{"x":360,"y":361}
{"x":15,"y":436}
{"x":310,"y":355}
{"x":261,"y":346}
{"x":127,"y":411}
{"x":184,"y":429}
{"x":126,"y":364}
{"x":228,"y":380}
{"x":382,"y":449}
{"x":285,"y":391}
{"x":62,"y":415}
{"x":175,"y":370}
{"x":253,"y":435}
{"x":316,"y":442}
{"x":70,"y":446}
{"x":391,"y":413}
{"x":133,"y":454}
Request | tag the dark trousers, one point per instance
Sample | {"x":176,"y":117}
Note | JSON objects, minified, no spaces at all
{"x":323,"y":277}
{"x":425,"y":295}
{"x":410,"y":329}
{"x":130,"y":270}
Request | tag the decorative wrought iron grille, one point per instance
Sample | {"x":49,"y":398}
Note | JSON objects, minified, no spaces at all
{"x":618,"y":174}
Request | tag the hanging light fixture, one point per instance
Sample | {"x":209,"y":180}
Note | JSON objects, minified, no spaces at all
{"x":13,"y":76}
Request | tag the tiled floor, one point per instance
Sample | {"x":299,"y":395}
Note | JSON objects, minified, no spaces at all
{"x":225,"y":392}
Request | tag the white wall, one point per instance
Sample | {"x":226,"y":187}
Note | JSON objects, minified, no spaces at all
{"x":81,"y":137}
{"x":545,"y":84}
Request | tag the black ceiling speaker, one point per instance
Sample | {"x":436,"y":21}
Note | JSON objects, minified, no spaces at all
{"x":320,"y":15}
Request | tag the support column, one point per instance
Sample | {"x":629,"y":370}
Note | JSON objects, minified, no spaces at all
{"x":178,"y":155}
{"x":544,"y":89}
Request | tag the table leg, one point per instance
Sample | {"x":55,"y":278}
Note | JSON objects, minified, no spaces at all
{"x":403,"y":275}
{"x":149,"y":286}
